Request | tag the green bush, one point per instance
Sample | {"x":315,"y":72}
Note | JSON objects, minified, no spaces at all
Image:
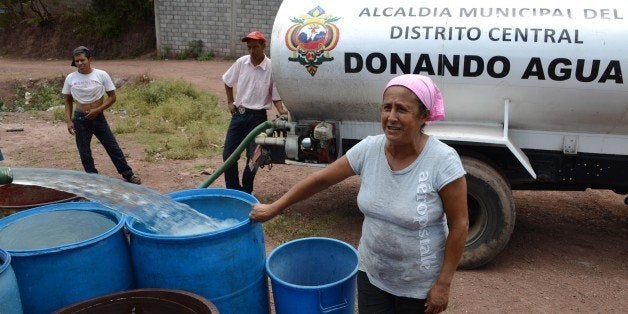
{"x":34,"y":12}
{"x":58,"y":114}
{"x":35,"y":95}
{"x":172,"y":118}
{"x":110,"y":18}
{"x":165,"y":53}
{"x":206,"y":56}
{"x":195,"y":48}
{"x":194,"y":51}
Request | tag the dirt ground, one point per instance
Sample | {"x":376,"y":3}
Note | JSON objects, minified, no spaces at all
{"x":568,"y":252}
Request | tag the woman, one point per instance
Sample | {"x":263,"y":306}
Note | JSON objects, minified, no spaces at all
{"x":412,"y":188}
{"x":87,"y":87}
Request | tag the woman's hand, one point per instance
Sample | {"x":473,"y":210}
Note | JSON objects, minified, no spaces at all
{"x":454,"y":197}
{"x":263,"y":212}
{"x":312,"y":184}
{"x":437,"y":298}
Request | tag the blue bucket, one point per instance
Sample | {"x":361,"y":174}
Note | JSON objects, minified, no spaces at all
{"x":225,"y":266}
{"x":55,"y":276}
{"x":9,"y":292}
{"x":313,"y":275}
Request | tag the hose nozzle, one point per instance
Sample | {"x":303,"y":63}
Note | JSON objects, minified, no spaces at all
{"x":6,"y":175}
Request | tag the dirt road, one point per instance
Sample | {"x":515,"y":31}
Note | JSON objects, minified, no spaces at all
{"x":568,"y":252}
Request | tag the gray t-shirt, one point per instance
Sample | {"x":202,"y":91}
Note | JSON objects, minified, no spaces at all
{"x":405,"y":228}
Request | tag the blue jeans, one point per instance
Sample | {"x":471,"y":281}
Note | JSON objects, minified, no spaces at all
{"x":239,"y":127}
{"x":84,"y":130}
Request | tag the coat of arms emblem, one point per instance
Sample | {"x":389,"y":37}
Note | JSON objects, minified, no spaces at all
{"x":311,"y":38}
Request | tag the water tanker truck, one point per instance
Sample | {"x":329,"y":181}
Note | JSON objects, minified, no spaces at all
{"x":534,"y":92}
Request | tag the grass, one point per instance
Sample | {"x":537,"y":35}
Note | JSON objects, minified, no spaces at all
{"x":58,"y":114}
{"x":195,"y":51}
{"x":35,"y":95}
{"x":294,"y":225}
{"x":172,"y":118}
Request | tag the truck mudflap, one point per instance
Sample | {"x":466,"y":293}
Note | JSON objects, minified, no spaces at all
{"x":485,"y":134}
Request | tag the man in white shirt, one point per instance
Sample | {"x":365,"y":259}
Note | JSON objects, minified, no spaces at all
{"x":85,"y":103}
{"x":251,"y":75}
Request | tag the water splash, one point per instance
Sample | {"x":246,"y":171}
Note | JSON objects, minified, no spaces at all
{"x":158,"y":213}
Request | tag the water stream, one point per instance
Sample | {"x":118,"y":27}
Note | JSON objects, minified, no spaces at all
{"x":158,"y":213}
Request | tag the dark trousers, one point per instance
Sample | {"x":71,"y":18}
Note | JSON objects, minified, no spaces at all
{"x":84,"y":130}
{"x":239,"y":127}
{"x":373,"y":300}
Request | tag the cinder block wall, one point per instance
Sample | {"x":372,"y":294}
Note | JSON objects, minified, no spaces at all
{"x":218,"y":23}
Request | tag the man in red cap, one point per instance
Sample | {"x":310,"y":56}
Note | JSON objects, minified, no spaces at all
{"x":251,"y":76}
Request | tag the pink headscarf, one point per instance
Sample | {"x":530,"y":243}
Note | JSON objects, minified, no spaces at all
{"x":423,"y":87}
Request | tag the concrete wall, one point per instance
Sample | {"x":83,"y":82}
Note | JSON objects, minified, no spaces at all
{"x":218,"y":23}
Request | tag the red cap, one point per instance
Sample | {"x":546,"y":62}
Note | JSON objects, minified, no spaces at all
{"x":254,"y":35}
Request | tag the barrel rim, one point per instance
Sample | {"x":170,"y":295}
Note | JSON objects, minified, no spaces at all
{"x":5,"y":258}
{"x":138,"y":293}
{"x":299,"y":287}
{"x":84,"y":206}
{"x":188,"y":194}
{"x":215,"y":191}
{"x":64,"y":196}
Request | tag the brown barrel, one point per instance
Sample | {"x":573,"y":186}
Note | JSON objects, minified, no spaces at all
{"x":154,"y":301}
{"x":18,"y":196}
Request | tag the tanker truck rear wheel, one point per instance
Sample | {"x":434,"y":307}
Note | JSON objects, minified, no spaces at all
{"x":491,"y":213}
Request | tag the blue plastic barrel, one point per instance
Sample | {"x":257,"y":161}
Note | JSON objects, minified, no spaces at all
{"x":225,"y":266}
{"x":313,"y":275}
{"x":9,"y":292}
{"x":52,"y":277}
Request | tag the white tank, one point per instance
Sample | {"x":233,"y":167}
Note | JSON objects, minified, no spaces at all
{"x":560,"y":63}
